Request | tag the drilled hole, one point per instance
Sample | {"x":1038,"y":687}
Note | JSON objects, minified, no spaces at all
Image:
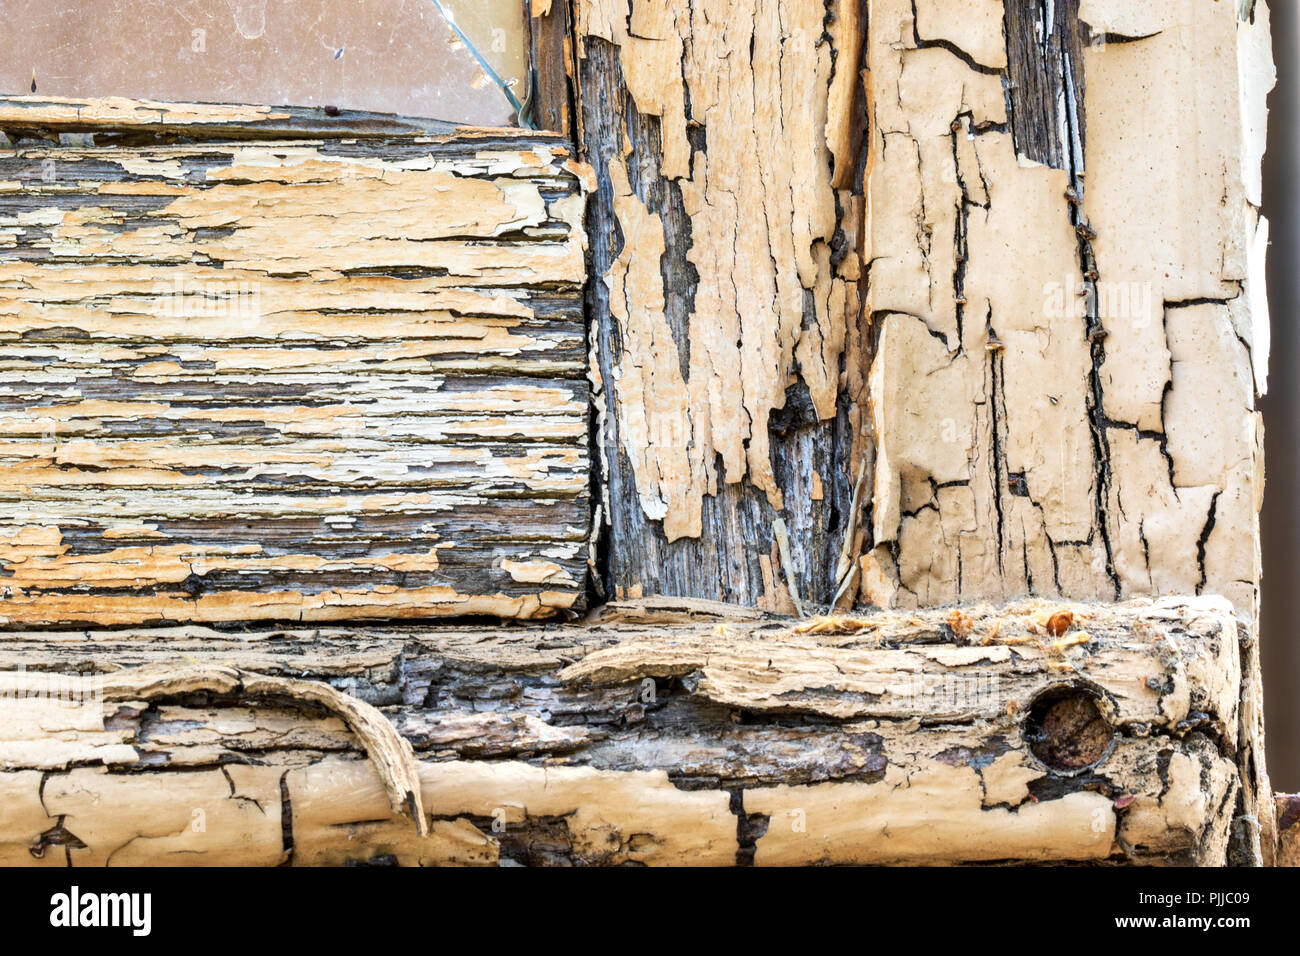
{"x":1066,"y":730}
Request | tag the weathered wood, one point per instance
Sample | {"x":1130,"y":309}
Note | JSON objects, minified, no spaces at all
{"x":1027,"y":427}
{"x":114,"y":116}
{"x":1067,"y":290}
{"x":550,"y":41}
{"x":1063,"y":387}
{"x":1054,"y":345}
{"x":316,"y":379}
{"x":660,"y":735}
{"x":1288,"y":829}
{"x":725,"y":232}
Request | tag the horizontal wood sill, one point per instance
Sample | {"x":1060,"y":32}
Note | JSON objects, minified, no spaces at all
{"x":662,"y":732}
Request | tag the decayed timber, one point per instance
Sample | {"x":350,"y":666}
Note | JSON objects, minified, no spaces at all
{"x":114,"y":116}
{"x":318,"y":379}
{"x":655,"y":734}
{"x":1067,"y":294}
{"x":550,"y":43}
{"x":728,"y":362}
{"x":1064,"y":318}
{"x":400,"y":431}
{"x":1067,"y":305}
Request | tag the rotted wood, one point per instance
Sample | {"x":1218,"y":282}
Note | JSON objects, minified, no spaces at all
{"x":656,"y":733}
{"x":550,"y":43}
{"x":117,"y":118}
{"x":308,"y":379}
{"x":728,"y":359}
{"x":1067,"y":299}
{"x":1288,"y":829}
{"x":1038,"y":389}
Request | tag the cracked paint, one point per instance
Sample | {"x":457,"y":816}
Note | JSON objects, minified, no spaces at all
{"x":310,"y":380}
{"x":855,"y":730}
{"x":1086,"y":428}
{"x":761,"y":201}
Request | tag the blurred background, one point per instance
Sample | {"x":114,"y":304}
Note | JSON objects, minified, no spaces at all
{"x":1280,"y":624}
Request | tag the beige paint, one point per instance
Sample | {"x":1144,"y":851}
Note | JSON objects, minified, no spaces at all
{"x":419,"y":396}
{"x":762,"y":205}
{"x":987,"y":482}
{"x":929,"y":795}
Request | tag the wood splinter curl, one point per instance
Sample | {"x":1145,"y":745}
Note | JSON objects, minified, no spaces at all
{"x":391,"y":753}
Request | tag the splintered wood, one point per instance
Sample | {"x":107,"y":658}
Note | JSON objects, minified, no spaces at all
{"x":1065,"y":323}
{"x":964,"y":307}
{"x":1067,"y":287}
{"x":726,"y":245}
{"x":318,"y":379}
{"x":655,"y":734}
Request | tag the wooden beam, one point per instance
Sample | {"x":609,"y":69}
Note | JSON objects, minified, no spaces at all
{"x":311,"y":379}
{"x":1037,"y":394}
{"x":662,"y":733}
{"x":550,"y":40}
{"x":1082,"y":333}
{"x":726,"y":231}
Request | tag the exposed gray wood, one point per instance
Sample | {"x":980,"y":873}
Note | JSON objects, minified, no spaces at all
{"x":550,"y":39}
{"x":1031,"y":732}
{"x":725,"y":232}
{"x":301,"y":380}
{"x":1046,"y":92}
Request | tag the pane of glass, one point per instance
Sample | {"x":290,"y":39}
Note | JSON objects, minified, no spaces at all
{"x":390,"y":56}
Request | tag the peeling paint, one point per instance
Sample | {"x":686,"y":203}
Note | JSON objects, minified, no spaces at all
{"x":1063,"y":389}
{"x":309,"y":380}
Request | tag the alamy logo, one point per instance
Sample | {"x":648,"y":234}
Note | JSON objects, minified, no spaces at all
{"x":75,"y":908}
{"x":222,"y":299}
{"x":1128,"y":304}
{"x":24,"y":687}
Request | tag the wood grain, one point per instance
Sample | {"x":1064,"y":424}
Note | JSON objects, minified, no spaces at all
{"x":655,"y":734}
{"x":1067,"y":294}
{"x":299,"y":380}
{"x":551,"y":41}
{"x":729,"y":361}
